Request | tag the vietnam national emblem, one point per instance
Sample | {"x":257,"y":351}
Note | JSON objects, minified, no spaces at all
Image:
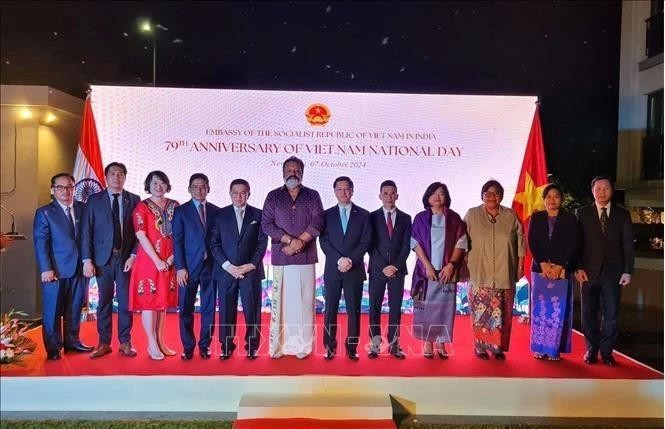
{"x":317,"y":114}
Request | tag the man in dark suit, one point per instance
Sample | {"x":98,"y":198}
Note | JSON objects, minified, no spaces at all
{"x":56,"y":236}
{"x":237,"y":243}
{"x":605,"y":266}
{"x":194,"y":265}
{"x":346,"y":238}
{"x":108,"y":244}
{"x":391,"y":238}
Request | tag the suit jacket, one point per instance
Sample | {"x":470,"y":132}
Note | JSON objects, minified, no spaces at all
{"x":353,"y":244}
{"x":97,"y":231}
{"x":561,"y":249}
{"x":614,"y":251}
{"x":386,"y":251}
{"x":189,"y":238}
{"x":226,"y":244}
{"x":56,"y":246}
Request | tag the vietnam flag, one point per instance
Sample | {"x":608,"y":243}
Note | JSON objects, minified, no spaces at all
{"x":532,"y":181}
{"x":88,"y":169}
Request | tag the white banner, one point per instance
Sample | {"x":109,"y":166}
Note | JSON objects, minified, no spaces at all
{"x":461,"y":140}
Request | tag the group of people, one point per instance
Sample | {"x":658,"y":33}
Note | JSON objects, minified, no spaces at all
{"x":155,"y":254}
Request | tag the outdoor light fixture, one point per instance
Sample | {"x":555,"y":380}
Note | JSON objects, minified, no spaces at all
{"x":49,"y":118}
{"x":25,"y":113}
{"x":146,"y":27}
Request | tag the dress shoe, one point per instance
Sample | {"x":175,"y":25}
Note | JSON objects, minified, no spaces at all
{"x":609,"y":360}
{"x":252,"y":354}
{"x":225,"y":355}
{"x":353,"y":355}
{"x":330,"y":355}
{"x":204,"y":352}
{"x":127,"y":349}
{"x":398,"y":353}
{"x":53,"y":355}
{"x":188,"y":355}
{"x":101,"y":350}
{"x":481,"y":354}
{"x":590,"y":358}
{"x":373,"y":354}
{"x":499,"y":356}
{"x":79,"y":348}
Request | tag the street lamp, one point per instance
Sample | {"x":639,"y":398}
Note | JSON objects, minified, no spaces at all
{"x":148,"y":28}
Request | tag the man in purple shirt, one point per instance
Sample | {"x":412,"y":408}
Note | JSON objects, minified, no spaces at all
{"x":293,"y":218}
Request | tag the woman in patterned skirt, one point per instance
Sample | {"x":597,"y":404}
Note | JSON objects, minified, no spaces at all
{"x":553,"y":241}
{"x":496,"y":262}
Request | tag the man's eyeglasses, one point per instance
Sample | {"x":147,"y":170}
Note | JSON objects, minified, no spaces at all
{"x":491,"y":195}
{"x":61,"y":188}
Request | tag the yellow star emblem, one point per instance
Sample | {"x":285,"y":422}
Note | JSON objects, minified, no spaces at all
{"x":531,"y":198}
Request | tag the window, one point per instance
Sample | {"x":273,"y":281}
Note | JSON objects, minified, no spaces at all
{"x":655,"y":30}
{"x":652,"y":155}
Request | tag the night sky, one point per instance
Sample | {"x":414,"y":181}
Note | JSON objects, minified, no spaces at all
{"x":567,"y":53}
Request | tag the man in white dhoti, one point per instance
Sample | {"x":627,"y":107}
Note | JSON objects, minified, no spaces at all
{"x":293,"y":218}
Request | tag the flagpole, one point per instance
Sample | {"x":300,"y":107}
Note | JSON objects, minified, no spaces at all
{"x":154,"y":60}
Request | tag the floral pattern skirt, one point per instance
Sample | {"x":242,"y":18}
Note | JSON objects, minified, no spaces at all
{"x":551,"y":315}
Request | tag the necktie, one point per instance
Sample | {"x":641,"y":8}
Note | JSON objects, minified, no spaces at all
{"x":202,"y":215}
{"x":72,"y":225}
{"x":389,"y":224}
{"x":117,"y":235}
{"x":241,"y":215}
{"x":603,"y":220}
{"x":345,"y":220}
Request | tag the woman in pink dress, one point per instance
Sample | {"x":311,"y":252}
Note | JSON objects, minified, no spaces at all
{"x":152,"y":288}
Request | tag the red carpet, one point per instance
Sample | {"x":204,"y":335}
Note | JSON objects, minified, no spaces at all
{"x":462,"y":363}
{"x":312,"y":424}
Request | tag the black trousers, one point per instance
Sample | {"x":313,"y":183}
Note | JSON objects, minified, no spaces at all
{"x":601,"y":298}
{"x":377,"y":289}
{"x":353,"y":290}
{"x":111,"y":278}
{"x":249,"y":289}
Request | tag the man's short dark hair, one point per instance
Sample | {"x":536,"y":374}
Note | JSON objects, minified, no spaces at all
{"x":197,"y":176}
{"x":602,"y":177}
{"x":59,"y":175}
{"x":343,"y":179}
{"x":550,"y":187}
{"x":489,"y":184}
{"x":297,"y":161}
{"x":432,"y":189}
{"x":161,"y":176}
{"x":387,"y":183}
{"x":115,"y":164}
{"x":239,"y":182}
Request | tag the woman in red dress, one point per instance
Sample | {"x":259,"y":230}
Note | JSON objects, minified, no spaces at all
{"x":152,"y":288}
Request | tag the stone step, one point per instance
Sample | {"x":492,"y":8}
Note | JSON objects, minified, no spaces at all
{"x":324,"y":406}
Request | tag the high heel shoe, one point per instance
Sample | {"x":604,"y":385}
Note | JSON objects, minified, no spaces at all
{"x":442,"y":352}
{"x":428,"y":352}
{"x":481,"y":354}
{"x":165,"y":350}
{"x":155,"y":355}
